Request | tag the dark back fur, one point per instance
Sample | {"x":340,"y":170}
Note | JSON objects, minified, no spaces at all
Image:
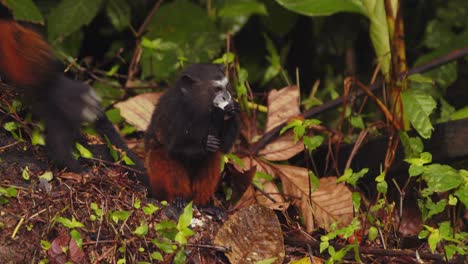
{"x":185,"y":115}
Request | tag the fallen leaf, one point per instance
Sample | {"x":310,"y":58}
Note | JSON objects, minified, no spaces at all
{"x":271,"y":197}
{"x":253,"y":234}
{"x":282,"y":148}
{"x":72,"y":254}
{"x":330,"y":203}
{"x":283,"y":104}
{"x":138,"y":110}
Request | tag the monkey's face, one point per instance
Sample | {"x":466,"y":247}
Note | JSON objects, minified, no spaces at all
{"x":222,"y":97}
{"x":206,"y":84}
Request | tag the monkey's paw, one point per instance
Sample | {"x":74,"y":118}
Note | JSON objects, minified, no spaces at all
{"x":212,"y":143}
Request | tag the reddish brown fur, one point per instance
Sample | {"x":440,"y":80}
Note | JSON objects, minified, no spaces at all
{"x":169,"y":178}
{"x":25,"y":57}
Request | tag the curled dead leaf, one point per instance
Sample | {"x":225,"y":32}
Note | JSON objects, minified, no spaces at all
{"x":253,"y":234}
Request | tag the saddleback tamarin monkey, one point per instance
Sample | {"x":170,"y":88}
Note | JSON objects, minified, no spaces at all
{"x":28,"y":63}
{"x":194,"y":122}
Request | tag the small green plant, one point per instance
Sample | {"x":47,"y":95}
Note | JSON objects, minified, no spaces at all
{"x":72,"y":224}
{"x":6,"y":193}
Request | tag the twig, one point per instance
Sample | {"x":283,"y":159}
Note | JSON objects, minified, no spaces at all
{"x":212,"y":247}
{"x":137,"y":52}
{"x":368,"y":250}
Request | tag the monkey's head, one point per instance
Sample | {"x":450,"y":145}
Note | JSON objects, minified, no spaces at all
{"x":207,"y":84}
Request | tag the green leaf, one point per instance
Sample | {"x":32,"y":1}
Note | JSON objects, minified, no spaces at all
{"x":242,"y":8}
{"x":418,"y":106}
{"x":37,"y":138}
{"x":10,"y":126}
{"x":117,"y":216}
{"x":25,"y":173}
{"x":352,"y":177}
{"x":84,"y":152}
{"x":382,"y":187}
{"x":114,"y":116}
{"x":324,"y":245}
{"x":47,"y":175}
{"x":25,"y":10}
{"x":323,"y":7}
{"x":379,"y":33}
{"x":433,"y":240}
{"x":119,"y":13}
{"x":186,"y":217}
{"x":441,"y":178}
{"x":77,"y":238}
{"x":460,"y":114}
{"x":141,"y":231}
{"x":356,"y":198}
{"x":165,"y":246}
{"x":234,"y":14}
{"x":73,"y":223}
{"x":8,"y":192}
{"x":462,"y":194}
{"x":373,"y":233}
{"x":150,"y":209}
{"x":70,"y":15}
{"x":188,"y":25}
{"x":413,"y":145}
{"x":311,"y":143}
{"x":292,"y":124}
{"x":45,"y":245}
{"x":357,"y":121}
{"x":157,"y":256}
{"x":180,"y":257}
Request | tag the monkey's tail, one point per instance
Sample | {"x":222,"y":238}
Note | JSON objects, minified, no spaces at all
{"x":106,"y":129}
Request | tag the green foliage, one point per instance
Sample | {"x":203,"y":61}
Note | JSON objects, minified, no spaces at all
{"x":351,"y":177}
{"x":345,"y":233}
{"x":6,"y":193}
{"x":118,"y":216}
{"x":445,"y":236}
{"x":418,"y":107}
{"x":70,"y":15}
{"x":194,"y":40}
{"x":25,"y":10}
{"x":83,"y":152}
{"x":373,"y":10}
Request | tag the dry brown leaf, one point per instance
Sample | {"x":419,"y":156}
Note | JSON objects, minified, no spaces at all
{"x":259,"y":165}
{"x":137,"y":110}
{"x":283,"y":148}
{"x":271,"y":197}
{"x":330,"y":203}
{"x":73,"y":254}
{"x":283,"y":104}
{"x":249,"y":129}
{"x":247,"y":199}
{"x":253,"y":234}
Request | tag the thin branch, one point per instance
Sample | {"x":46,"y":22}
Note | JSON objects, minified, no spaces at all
{"x":272,"y":134}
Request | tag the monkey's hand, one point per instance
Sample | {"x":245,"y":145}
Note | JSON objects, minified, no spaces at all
{"x":231,"y":110}
{"x":212,"y":143}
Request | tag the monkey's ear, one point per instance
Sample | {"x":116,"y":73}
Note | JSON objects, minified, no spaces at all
{"x":185,"y":83}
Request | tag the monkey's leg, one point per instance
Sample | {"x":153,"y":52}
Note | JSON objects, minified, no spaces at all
{"x":60,"y":138}
{"x":168,"y":177}
{"x":205,"y":181}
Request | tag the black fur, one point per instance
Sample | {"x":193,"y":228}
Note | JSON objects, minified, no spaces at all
{"x":64,"y":104}
{"x":187,"y":123}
